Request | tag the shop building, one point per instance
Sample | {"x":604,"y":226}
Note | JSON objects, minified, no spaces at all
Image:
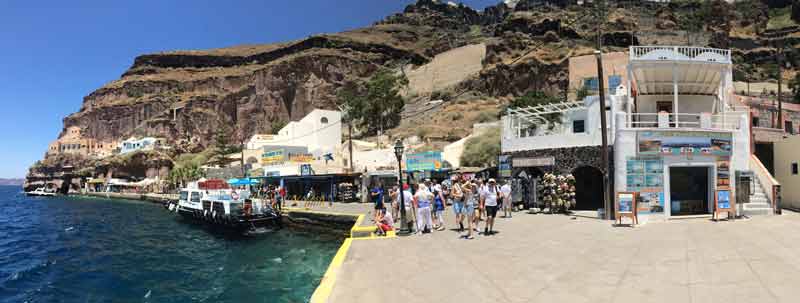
{"x":676,"y":136}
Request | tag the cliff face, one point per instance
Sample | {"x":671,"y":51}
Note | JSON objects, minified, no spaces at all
{"x":186,"y":96}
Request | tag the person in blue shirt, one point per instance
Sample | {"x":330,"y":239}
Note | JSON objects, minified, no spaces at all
{"x":377,"y":197}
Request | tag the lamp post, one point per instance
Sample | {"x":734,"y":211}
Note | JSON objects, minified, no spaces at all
{"x":398,"y":152}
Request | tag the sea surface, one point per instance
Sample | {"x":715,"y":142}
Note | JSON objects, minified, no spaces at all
{"x":68,"y":249}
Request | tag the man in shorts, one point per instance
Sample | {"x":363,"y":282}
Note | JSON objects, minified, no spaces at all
{"x":457,"y":196}
{"x":489,"y":196}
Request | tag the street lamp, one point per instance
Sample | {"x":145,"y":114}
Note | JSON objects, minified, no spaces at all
{"x":398,"y":152}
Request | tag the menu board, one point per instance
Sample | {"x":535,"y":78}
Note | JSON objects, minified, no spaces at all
{"x":723,"y":199}
{"x":625,"y":202}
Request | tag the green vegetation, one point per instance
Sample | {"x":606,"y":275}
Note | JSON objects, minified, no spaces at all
{"x":376,"y":104}
{"x":535,"y":98}
{"x":276,"y":125}
{"x":486,"y":116}
{"x":187,"y":168}
{"x":222,"y":148}
{"x":482,"y":150}
{"x":780,"y":18}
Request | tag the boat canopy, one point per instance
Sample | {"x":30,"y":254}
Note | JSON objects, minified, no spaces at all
{"x":235,"y":181}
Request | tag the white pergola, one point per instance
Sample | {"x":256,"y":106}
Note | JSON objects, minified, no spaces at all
{"x":679,"y":70}
{"x":536,"y":115}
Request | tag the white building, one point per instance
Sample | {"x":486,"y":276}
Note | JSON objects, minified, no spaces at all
{"x":133,"y":144}
{"x":320,"y":131}
{"x":675,"y":134}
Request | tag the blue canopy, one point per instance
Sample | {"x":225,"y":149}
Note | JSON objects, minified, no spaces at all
{"x":235,"y":181}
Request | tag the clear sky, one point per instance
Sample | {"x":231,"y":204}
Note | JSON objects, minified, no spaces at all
{"x":53,"y":53}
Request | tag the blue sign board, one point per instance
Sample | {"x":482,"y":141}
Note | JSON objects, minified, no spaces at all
{"x":504,"y":166}
{"x":426,"y":161}
{"x":723,"y":199}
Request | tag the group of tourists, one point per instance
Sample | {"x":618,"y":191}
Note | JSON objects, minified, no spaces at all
{"x":473,"y":201}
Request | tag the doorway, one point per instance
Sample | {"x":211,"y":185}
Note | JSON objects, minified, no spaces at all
{"x":588,"y":188}
{"x":688,"y":188}
{"x":766,"y":154}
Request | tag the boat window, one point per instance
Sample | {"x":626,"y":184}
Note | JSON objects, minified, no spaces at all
{"x":195,"y":197}
{"x":184,"y":195}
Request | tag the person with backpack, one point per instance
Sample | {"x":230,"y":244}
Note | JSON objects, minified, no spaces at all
{"x":490,"y":196}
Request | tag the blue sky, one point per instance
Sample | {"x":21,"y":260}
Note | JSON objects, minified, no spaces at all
{"x":53,"y":53}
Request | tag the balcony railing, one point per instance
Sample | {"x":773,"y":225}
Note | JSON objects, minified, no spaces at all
{"x":720,"y":121}
{"x":687,"y":53}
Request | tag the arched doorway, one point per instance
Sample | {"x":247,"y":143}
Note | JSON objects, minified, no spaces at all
{"x":588,"y":188}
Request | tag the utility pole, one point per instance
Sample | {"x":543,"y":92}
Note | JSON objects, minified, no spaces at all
{"x":780,"y":81}
{"x":604,"y":131}
{"x":350,"y":144}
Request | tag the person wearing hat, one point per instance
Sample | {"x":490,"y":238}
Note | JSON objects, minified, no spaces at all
{"x":489,"y":196}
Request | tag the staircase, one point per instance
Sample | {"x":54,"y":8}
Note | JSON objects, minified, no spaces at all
{"x":759,"y":203}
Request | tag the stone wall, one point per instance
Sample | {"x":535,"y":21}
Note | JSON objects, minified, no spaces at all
{"x":567,"y":159}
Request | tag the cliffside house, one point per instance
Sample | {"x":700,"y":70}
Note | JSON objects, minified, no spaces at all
{"x":72,"y":142}
{"x":142,"y":144}
{"x":320,"y":131}
{"x":676,"y":135}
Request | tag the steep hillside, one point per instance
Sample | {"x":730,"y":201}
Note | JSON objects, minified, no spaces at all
{"x":187,"y":96}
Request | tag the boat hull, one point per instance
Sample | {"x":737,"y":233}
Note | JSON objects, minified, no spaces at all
{"x":239,"y":223}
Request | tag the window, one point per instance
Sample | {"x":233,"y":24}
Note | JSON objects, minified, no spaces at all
{"x":324,"y":120}
{"x":794,"y":168}
{"x":755,"y":121}
{"x":195,"y":197}
{"x":787,"y":126}
{"x":578,"y":126}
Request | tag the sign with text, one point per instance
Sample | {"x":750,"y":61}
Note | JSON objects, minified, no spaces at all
{"x":533,"y":162}
{"x":272,"y":157}
{"x":685,"y":143}
{"x":722,"y":204}
{"x":626,"y":207}
{"x":504,"y":166}
{"x":426,"y":161}
{"x":302,"y":158}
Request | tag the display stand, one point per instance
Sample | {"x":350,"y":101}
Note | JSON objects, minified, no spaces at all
{"x":722,"y":204}
{"x":625,"y":206}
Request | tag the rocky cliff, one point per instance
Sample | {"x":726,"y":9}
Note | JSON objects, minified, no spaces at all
{"x":186,"y":96}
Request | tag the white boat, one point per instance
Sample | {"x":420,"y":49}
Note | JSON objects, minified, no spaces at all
{"x":225,"y":208}
{"x":41,"y":192}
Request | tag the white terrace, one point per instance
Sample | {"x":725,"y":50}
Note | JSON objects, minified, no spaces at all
{"x":668,"y":87}
{"x":680,"y":87}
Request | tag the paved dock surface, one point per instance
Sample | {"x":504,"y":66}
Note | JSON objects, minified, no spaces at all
{"x":557,"y":258}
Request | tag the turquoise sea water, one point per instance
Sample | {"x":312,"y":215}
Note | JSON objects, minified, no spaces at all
{"x":68,"y":249}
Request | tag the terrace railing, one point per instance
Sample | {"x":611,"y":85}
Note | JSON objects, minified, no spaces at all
{"x":720,"y":121}
{"x":679,"y":53}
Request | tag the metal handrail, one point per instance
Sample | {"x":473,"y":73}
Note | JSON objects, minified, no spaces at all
{"x":680,"y":52}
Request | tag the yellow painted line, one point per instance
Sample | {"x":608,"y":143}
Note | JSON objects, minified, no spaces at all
{"x":323,"y":291}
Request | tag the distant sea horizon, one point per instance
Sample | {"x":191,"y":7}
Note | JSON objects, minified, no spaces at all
{"x":12,"y":181}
